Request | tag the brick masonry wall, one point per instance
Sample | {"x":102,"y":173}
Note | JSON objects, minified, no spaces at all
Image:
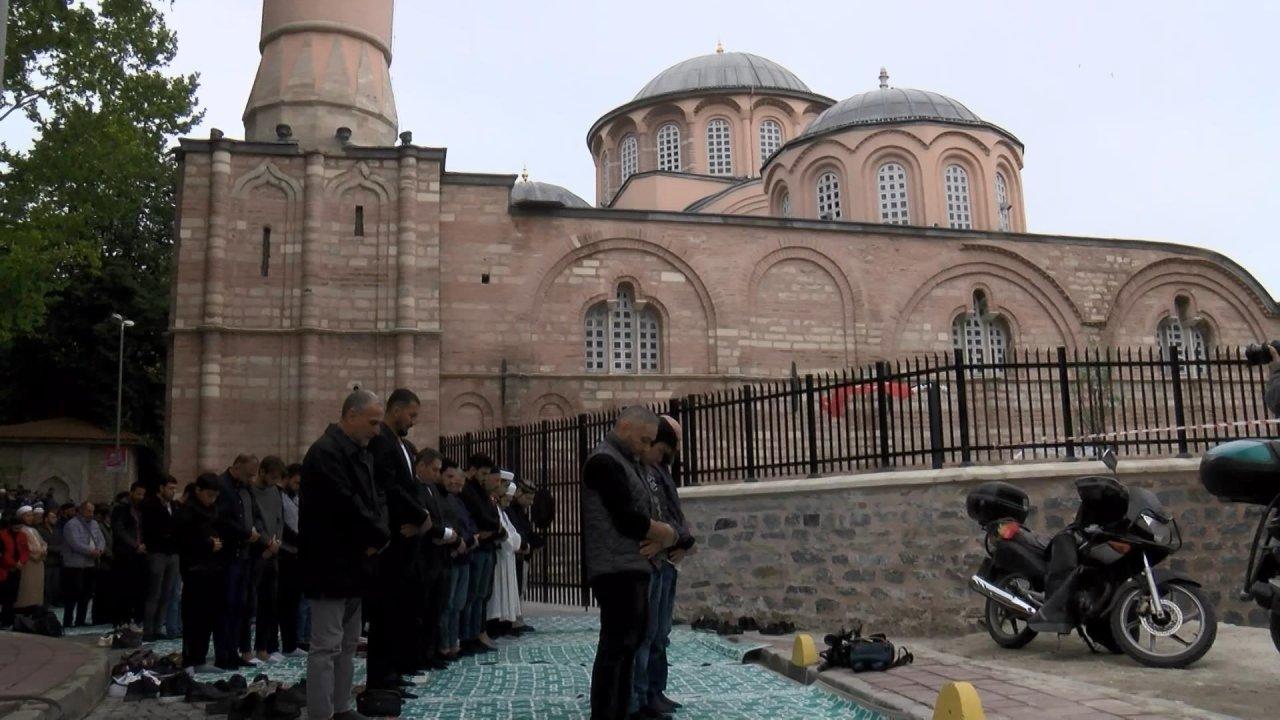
{"x":897,"y":550}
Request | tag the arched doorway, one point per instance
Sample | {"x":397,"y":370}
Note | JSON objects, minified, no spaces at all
{"x":56,"y":485}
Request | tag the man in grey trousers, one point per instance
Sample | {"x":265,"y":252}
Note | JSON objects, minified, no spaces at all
{"x":342,"y":525}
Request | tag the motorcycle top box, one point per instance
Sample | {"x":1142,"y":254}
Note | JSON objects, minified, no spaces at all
{"x":993,"y":501}
{"x":1244,"y":471}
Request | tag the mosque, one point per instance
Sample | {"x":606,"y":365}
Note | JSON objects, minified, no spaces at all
{"x":741,"y":223}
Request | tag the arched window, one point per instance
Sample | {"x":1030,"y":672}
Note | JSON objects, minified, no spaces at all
{"x":719,"y":148}
{"x":956,"y":184}
{"x":770,"y":139}
{"x":620,"y":339}
{"x":669,"y":147}
{"x":983,"y":336}
{"x":784,"y":204}
{"x":892,"y":181}
{"x":1002,"y":203}
{"x":630,"y":153}
{"x":829,"y":197}
{"x":1189,"y":335}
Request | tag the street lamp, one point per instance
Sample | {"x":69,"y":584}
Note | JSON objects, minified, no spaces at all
{"x":124,"y":323}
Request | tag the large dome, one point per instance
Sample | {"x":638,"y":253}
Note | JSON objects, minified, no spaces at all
{"x":722,"y":70}
{"x":892,"y":105}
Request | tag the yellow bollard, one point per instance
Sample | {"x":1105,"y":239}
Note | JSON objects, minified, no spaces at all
{"x":958,"y":701}
{"x":803,"y":653}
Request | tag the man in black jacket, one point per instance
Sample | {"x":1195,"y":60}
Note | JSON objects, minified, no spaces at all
{"x":237,"y":531}
{"x":622,"y":533}
{"x":200,"y":549}
{"x":434,"y":555}
{"x":162,"y":554}
{"x":342,"y":526}
{"x":129,"y":567}
{"x":482,"y":479}
{"x":392,"y":611}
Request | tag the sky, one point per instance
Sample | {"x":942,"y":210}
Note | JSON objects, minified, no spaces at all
{"x":1149,"y":120}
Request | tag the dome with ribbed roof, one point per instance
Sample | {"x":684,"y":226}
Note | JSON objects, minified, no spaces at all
{"x":722,"y":70}
{"x":890,"y":104}
{"x":540,"y":194}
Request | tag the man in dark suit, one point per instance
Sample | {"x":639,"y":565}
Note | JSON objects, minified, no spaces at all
{"x":434,"y":554}
{"x":392,"y":611}
{"x":342,"y":526}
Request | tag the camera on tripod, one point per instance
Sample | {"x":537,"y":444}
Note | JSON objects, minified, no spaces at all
{"x":1258,"y":354}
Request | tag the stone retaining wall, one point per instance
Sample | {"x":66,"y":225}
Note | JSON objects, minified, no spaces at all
{"x":896,"y":549}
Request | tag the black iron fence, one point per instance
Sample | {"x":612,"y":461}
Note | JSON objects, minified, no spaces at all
{"x":930,"y":411}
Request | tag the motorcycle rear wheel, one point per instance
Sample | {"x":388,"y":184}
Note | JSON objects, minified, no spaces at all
{"x":1132,"y":621}
{"x":1007,"y":630}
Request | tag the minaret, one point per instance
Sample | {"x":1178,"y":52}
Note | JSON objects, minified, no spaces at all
{"x":326,"y":64}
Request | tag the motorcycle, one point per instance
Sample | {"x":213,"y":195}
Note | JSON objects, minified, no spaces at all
{"x":1120,"y":599}
{"x":1248,"y":471}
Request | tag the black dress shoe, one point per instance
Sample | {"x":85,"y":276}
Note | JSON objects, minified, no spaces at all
{"x":401,"y":682}
{"x":668,"y":702}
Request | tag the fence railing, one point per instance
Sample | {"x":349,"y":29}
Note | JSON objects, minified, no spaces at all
{"x":932,"y":411}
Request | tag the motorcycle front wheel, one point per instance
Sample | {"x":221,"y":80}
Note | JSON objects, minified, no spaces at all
{"x":1180,"y":636}
{"x":1008,"y":630}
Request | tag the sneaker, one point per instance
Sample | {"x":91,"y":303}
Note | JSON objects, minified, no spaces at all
{"x":120,"y":684}
{"x":275,"y":657}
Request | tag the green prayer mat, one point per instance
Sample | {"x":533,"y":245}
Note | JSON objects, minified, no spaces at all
{"x":546,"y":675}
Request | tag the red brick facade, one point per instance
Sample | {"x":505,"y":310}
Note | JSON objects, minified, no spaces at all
{"x":260,"y":361}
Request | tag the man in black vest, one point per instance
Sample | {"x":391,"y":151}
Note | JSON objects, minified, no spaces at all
{"x":238,"y":533}
{"x":392,"y":610}
{"x":342,"y":526}
{"x":622,"y":535}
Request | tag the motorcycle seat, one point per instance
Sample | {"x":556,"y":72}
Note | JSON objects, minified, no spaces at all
{"x":1035,"y":541}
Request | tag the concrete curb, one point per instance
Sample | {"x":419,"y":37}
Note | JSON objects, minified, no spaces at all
{"x":77,"y":695}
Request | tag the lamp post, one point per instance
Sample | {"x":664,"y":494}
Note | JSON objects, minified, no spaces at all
{"x":124,"y":323}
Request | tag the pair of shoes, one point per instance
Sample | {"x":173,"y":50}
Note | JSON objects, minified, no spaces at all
{"x":296,"y":693}
{"x":145,"y":687}
{"x":234,"y":684}
{"x":204,"y":692}
{"x":175,"y":687}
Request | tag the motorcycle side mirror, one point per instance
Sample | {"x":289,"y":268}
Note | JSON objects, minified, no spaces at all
{"x":1109,"y":459}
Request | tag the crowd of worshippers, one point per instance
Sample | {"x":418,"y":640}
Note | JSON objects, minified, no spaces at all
{"x":367,"y":537}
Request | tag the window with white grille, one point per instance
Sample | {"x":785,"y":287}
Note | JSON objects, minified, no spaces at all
{"x":829,"y":197}
{"x":630,"y":153}
{"x":622,"y":339}
{"x":669,"y":147}
{"x":1002,"y":203}
{"x":892,"y":182}
{"x":982,"y":335}
{"x":647,"y":342}
{"x":719,"y":148}
{"x":770,"y":139}
{"x":1190,"y":341}
{"x":622,"y":331}
{"x":596,"y":326}
{"x":956,"y":184}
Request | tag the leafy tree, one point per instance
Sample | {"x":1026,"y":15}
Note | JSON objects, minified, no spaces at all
{"x":86,"y":212}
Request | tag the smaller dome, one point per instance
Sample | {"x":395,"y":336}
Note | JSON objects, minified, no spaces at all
{"x":531,"y":193}
{"x":892,"y":105}
{"x":722,"y":70}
